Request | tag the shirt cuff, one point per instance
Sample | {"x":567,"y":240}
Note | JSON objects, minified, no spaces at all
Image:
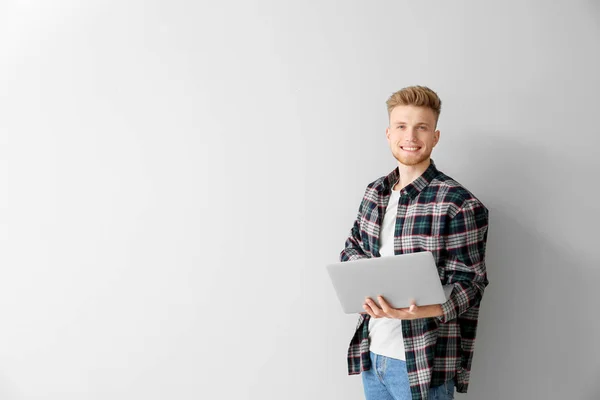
{"x":448,"y":308}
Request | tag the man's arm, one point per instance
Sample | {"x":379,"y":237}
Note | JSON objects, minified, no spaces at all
{"x":465,"y":262}
{"x":352,"y":248}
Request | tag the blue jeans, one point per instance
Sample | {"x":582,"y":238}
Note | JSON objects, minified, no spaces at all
{"x":388,"y":380}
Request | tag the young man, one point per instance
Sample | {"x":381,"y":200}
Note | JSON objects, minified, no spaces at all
{"x":420,"y":352}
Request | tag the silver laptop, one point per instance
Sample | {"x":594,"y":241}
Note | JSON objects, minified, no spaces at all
{"x":398,"y":279}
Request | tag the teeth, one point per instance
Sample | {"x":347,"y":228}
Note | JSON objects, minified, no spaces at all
{"x":411,"y":148}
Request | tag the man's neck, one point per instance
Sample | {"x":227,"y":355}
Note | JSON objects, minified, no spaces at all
{"x":409,"y":173}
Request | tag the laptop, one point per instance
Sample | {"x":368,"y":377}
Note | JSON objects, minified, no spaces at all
{"x":397,"y":278}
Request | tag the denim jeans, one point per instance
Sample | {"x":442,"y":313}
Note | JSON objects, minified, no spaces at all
{"x":388,"y":380}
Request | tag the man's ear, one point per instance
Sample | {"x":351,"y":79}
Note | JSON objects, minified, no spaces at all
{"x":387,"y":132}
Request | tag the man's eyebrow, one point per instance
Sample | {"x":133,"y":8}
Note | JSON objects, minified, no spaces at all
{"x":418,"y":123}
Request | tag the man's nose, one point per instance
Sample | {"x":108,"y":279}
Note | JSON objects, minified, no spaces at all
{"x":411,"y":134}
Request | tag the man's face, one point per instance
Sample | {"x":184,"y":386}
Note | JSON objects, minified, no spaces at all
{"x":412,"y":134}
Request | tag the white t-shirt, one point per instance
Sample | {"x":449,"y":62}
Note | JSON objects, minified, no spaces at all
{"x":385,"y":334}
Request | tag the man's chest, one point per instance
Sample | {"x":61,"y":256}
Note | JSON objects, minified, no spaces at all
{"x":417,"y":224}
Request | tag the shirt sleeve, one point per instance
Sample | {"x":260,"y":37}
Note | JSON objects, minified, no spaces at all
{"x":352,"y":247}
{"x":464,"y":264}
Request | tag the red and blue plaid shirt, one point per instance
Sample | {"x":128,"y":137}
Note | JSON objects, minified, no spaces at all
{"x":437,"y":214}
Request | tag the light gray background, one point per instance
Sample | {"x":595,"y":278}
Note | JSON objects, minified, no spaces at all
{"x":174,"y":175}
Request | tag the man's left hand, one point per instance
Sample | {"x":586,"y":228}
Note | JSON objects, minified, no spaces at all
{"x":412,"y":312}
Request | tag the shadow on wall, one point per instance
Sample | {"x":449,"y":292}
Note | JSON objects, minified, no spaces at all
{"x":539,"y":326}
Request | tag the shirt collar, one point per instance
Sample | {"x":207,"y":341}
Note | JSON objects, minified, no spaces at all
{"x":413,"y":188}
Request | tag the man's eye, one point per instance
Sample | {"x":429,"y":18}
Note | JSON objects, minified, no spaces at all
{"x":423,"y":127}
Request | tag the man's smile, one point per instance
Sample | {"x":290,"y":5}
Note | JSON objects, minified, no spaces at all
{"x":410,"y":149}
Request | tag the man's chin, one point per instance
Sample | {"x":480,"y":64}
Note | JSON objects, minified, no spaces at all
{"x":412,"y":161}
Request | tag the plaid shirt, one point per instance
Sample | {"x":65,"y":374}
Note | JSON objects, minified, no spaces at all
{"x":437,"y":214}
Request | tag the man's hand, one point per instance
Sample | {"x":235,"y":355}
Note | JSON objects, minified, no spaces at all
{"x":412,"y":312}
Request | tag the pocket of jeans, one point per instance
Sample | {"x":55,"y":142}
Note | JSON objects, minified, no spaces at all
{"x":449,"y":389}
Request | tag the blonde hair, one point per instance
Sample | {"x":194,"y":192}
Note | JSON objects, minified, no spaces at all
{"x":419,"y":96}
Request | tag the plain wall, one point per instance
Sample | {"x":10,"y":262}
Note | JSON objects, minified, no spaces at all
{"x":174,"y":176}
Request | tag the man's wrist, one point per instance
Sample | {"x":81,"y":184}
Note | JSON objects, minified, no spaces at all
{"x":437,"y":310}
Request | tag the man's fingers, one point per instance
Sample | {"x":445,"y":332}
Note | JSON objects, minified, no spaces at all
{"x":385,"y":312}
{"x":369,"y":311}
{"x":374,"y":308}
{"x":413,"y":306}
{"x":384,"y":305}
{"x":387,"y":309}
